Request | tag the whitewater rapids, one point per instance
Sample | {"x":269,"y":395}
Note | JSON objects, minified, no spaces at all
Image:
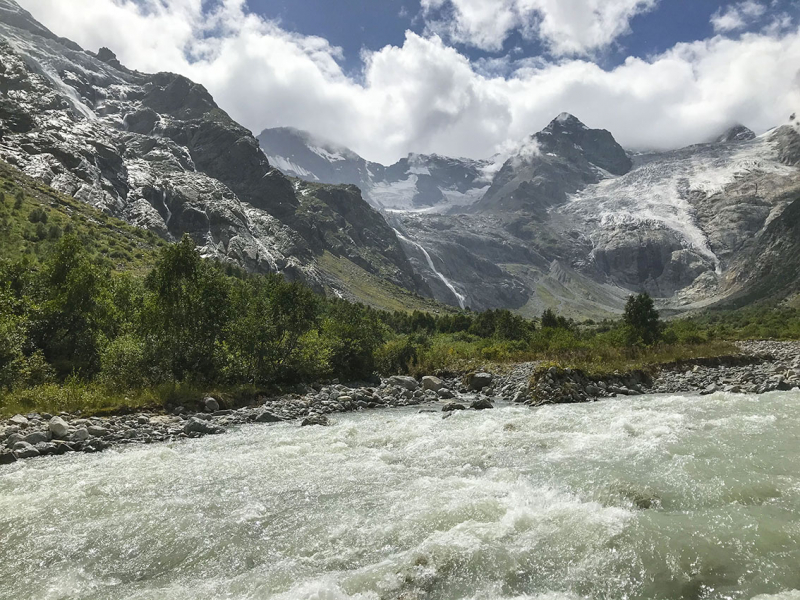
{"x":653,"y":497}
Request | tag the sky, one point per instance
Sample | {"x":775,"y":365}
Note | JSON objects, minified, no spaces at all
{"x":463,"y":77}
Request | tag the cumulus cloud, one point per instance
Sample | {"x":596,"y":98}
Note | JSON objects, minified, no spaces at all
{"x":737,"y":16}
{"x":425,"y":96}
{"x":567,"y":27}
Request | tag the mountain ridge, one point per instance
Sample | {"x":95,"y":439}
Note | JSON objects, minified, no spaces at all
{"x":156,"y":151}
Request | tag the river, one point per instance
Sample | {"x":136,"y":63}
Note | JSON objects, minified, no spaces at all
{"x":653,"y":497}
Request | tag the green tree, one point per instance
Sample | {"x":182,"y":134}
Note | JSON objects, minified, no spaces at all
{"x":185,"y":312}
{"x":641,"y":318}
{"x":351,"y":335}
{"x":270,"y":317}
{"x":73,"y":321}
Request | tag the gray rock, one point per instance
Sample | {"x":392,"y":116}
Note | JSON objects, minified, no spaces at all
{"x":19,"y":421}
{"x":195,"y":425}
{"x":58,"y":427}
{"x":445,"y":394}
{"x":80,"y":435}
{"x":13,"y":439}
{"x":268,"y":417}
{"x":37,"y":437}
{"x":25,"y":450}
{"x":451,"y":406}
{"x":405,"y":382}
{"x":315,"y":420}
{"x":481,"y":404}
{"x":429,"y":382}
{"x":478,"y":381}
{"x":211,"y":404}
{"x":97,"y":431}
{"x":6,"y":458}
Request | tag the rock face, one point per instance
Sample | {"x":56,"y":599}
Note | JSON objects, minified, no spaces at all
{"x":571,"y":226}
{"x":419,"y":181}
{"x":158,"y":152}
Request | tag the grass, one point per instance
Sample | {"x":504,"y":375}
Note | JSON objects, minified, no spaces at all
{"x":373,"y":290}
{"x":606,"y":360}
{"x":459,"y":353}
{"x":33,"y":217}
{"x":94,"y":399}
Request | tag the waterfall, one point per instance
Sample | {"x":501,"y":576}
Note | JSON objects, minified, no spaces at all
{"x":460,"y":297}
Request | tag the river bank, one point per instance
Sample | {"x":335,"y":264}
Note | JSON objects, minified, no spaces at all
{"x":762,"y":366}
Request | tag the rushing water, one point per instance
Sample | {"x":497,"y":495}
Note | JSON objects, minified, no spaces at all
{"x":654,"y":497}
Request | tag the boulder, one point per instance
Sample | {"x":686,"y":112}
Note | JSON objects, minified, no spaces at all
{"x":404,"y":381}
{"x":6,"y":458}
{"x":80,"y":435}
{"x":481,"y":404}
{"x":97,"y":431}
{"x":211,"y":404}
{"x":19,"y":421}
{"x":315,"y":420}
{"x":25,"y":450}
{"x":58,"y":427}
{"x":429,"y":382}
{"x":445,"y":394}
{"x":195,"y":425}
{"x":451,"y":406}
{"x":268,"y":417}
{"x":13,"y":439}
{"x":37,"y":437}
{"x":478,"y":381}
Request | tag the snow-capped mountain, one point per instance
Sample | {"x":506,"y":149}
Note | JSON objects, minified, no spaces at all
{"x":419,"y":182}
{"x":575,"y":223}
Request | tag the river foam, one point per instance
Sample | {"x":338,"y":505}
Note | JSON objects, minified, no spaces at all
{"x":652,"y":497}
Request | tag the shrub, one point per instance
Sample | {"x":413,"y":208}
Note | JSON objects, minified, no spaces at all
{"x":123,"y":363}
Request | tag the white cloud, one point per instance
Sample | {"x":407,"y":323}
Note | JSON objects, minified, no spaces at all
{"x":424,"y":96}
{"x":737,"y":16}
{"x":567,"y":27}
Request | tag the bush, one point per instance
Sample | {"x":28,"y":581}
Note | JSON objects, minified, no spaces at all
{"x":398,"y":355}
{"x":123,"y":364}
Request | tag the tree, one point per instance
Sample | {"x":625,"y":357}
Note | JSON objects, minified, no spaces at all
{"x":552,"y":321}
{"x":73,"y":321}
{"x":641,"y":317}
{"x":186,"y":311}
{"x":270,"y":316}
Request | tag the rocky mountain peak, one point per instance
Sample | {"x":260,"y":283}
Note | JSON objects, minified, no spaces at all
{"x":108,"y":57}
{"x":565,"y":121}
{"x":737,"y":133}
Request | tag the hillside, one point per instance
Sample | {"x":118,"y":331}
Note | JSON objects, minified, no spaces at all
{"x":157,"y":152}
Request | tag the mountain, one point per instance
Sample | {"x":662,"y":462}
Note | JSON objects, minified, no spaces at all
{"x":156,"y":151}
{"x":420,"y":182}
{"x":563,"y":158}
{"x":574,"y":222}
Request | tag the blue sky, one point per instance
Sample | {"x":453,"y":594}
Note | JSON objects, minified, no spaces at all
{"x":354,"y":25}
{"x":463,"y":77}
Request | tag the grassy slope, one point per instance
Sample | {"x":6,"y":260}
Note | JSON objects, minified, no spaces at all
{"x":374,"y":291}
{"x":125,"y":247}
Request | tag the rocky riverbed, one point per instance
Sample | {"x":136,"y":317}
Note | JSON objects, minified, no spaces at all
{"x":761,"y":367}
